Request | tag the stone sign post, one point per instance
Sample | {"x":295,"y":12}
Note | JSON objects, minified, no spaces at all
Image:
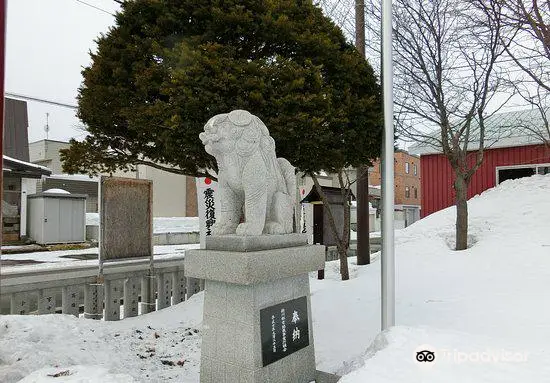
{"x":208,"y":204}
{"x":257,"y":309}
{"x":126,"y":230}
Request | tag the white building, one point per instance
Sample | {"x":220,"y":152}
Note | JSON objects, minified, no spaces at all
{"x":174,"y":195}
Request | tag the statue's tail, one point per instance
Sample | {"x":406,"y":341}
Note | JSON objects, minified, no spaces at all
{"x":287,"y":198}
{"x":287,"y":171}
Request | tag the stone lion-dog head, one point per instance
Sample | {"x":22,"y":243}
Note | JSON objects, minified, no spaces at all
{"x":251,"y":179}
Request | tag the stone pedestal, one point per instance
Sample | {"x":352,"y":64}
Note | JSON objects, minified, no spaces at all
{"x":258,"y":292}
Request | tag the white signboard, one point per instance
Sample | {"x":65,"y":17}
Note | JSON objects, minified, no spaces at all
{"x":208,"y":204}
{"x":306,"y":217}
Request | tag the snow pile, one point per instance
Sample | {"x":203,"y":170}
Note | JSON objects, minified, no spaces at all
{"x":77,"y":374}
{"x":176,"y":224}
{"x":483,"y":312}
{"x":457,"y":357}
{"x":56,"y":191}
{"x":155,"y":347}
{"x":510,"y":211}
{"x":161,"y":224}
{"x":494,"y":294}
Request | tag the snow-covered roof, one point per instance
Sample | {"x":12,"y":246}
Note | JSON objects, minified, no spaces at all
{"x":29,"y":164}
{"x":502,"y":130}
{"x":56,"y":191}
{"x":75,"y":177}
{"x":23,"y":168}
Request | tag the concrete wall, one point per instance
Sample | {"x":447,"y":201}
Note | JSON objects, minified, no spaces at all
{"x":46,"y":153}
{"x":28,"y":187}
{"x":169,"y":191}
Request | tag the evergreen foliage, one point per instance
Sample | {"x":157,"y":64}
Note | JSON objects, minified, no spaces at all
{"x":167,"y":66}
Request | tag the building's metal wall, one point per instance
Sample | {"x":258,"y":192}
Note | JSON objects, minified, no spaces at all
{"x":437,"y":176}
{"x":16,"y":122}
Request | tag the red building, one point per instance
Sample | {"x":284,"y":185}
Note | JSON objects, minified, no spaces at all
{"x":512,"y":155}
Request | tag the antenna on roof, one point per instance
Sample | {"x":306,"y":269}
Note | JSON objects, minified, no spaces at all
{"x":47,"y":126}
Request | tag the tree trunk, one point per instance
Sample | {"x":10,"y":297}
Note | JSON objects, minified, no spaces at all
{"x":461,"y":189}
{"x":362,"y":214}
{"x":344,"y":270}
{"x":342,"y":239}
{"x":343,"y":244}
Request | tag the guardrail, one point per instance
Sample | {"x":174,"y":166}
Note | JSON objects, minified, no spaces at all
{"x":73,"y":288}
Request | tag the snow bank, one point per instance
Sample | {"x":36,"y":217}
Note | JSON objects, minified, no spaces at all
{"x":495,"y":292}
{"x":155,"y":347}
{"x":161,"y":224}
{"x":491,"y":298}
{"x":56,"y":191}
{"x":458,"y":357}
{"x":76,"y":374}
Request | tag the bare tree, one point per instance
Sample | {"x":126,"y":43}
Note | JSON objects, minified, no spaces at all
{"x":445,"y":63}
{"x":539,"y":98}
{"x":526,"y":39}
{"x":341,"y":234}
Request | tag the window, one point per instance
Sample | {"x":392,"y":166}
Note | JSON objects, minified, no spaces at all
{"x":407,"y":192}
{"x":415,"y":193}
{"x":519,"y":171}
{"x":415,"y":170}
{"x":407,"y":167}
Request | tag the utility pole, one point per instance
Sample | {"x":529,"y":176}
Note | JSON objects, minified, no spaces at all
{"x":3,"y":10}
{"x":362,"y":212}
{"x":388,"y":182}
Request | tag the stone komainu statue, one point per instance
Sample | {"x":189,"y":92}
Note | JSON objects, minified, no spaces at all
{"x":250,"y":177}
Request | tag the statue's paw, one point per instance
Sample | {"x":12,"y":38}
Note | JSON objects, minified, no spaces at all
{"x":222,"y":229}
{"x":274,"y":228}
{"x":246,"y":228}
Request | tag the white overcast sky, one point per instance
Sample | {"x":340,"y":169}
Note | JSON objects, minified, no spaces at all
{"x":47,"y":46}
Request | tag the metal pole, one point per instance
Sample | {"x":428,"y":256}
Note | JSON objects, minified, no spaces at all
{"x":3,"y":12}
{"x":388,"y":254}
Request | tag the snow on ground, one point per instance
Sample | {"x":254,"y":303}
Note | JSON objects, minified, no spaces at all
{"x":157,"y":347}
{"x":484,"y":312}
{"x":458,"y":358}
{"x":161,"y":224}
{"x":61,"y":255}
{"x":497,"y":289}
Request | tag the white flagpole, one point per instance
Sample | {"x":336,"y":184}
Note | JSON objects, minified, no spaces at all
{"x":388,"y":191}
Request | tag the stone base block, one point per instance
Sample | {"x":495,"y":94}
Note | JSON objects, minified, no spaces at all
{"x":231,"y":340}
{"x":257,"y":323}
{"x":253,"y":267}
{"x":233,"y":242}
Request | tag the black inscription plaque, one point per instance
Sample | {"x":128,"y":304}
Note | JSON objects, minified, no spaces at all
{"x":284,"y":329}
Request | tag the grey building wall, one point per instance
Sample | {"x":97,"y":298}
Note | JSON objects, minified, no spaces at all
{"x":46,"y":153}
{"x":16,"y":122}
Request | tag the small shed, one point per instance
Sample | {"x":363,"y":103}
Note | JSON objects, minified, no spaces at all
{"x":322,"y":233}
{"x":56,"y":216}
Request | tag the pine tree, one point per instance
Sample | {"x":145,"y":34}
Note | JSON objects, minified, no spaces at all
{"x":167,"y":66}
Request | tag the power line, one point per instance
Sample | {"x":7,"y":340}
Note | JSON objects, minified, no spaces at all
{"x":42,"y":100}
{"x":95,"y":7}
